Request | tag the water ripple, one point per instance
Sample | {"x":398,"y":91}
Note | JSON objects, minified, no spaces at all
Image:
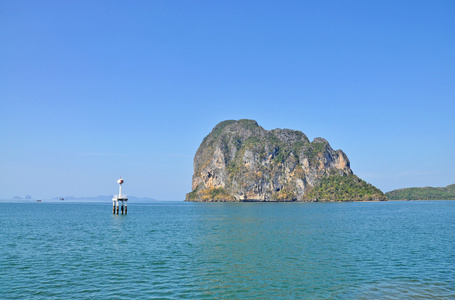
{"x":229,"y":251}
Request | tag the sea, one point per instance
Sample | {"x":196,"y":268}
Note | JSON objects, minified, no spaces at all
{"x":181,"y":250}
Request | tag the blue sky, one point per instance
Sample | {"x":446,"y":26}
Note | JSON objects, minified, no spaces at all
{"x":94,"y":90}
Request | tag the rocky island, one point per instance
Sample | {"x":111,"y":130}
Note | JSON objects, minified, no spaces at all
{"x":241,"y":161}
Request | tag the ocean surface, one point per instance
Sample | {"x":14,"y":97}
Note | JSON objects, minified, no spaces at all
{"x":178,"y":250}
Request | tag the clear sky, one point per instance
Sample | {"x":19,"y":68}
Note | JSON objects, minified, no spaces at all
{"x":94,"y":90}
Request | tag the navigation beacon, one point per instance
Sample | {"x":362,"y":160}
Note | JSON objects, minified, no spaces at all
{"x":119,"y":197}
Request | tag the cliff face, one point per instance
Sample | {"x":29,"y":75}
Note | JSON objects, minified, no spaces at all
{"x":241,"y":161}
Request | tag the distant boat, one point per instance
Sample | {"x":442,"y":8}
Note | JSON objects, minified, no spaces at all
{"x":38,"y":200}
{"x":62,"y":199}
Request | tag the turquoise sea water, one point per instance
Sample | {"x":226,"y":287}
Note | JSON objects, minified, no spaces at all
{"x":177,"y":250}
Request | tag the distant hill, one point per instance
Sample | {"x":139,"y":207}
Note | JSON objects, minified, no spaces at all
{"x":28,"y":197}
{"x":424,"y":193}
{"x":103,"y":198}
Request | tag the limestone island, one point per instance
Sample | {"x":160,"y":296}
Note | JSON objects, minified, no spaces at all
{"x":241,"y":161}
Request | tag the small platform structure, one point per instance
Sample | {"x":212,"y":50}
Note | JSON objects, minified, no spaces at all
{"x":119,"y":198}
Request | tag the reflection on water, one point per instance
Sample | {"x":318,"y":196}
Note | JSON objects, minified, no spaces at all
{"x":229,"y":250}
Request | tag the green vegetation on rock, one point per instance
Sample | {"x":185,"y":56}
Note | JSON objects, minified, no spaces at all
{"x":345,"y":188}
{"x":424,"y":193}
{"x":210,"y":194}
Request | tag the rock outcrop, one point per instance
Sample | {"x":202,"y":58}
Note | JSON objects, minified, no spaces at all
{"x":241,"y":161}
